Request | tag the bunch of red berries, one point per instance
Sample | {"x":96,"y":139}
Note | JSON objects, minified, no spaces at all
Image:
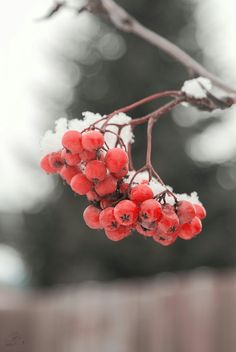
{"x":119,"y":207}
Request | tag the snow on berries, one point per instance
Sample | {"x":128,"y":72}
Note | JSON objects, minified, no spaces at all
{"x":91,"y":156}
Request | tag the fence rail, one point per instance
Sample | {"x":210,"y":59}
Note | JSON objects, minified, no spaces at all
{"x":173,"y":313}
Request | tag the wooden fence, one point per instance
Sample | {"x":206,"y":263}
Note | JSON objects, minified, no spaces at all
{"x":172,"y":313}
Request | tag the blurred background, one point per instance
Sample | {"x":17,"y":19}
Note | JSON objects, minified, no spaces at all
{"x":68,"y":64}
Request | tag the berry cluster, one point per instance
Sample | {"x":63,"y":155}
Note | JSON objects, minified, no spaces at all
{"x":118,"y":204}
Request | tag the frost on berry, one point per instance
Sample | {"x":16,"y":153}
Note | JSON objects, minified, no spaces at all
{"x":92,"y":140}
{"x":91,"y":217}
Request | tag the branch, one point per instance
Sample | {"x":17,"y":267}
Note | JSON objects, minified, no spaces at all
{"x":125,"y":22}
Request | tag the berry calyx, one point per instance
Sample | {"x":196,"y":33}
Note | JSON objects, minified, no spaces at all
{"x":150,"y":210}
{"x":91,"y":217}
{"x":148,"y":232}
{"x":116,"y":159}
{"x":165,"y":240}
{"x":72,"y":141}
{"x":92,"y":140}
{"x":80,"y":184}
{"x":169,"y":222}
{"x":56,"y":161}
{"x":107,"y":219}
{"x":126,"y":212}
{"x":141,"y":193}
{"x":95,"y":171}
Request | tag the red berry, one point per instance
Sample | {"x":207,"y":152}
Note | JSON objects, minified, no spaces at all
{"x":140,"y":193}
{"x":107,"y":186}
{"x":169,"y":221}
{"x":150,"y":210}
{"x":126,"y":212}
{"x":92,"y":196}
{"x":68,"y":172}
{"x":188,"y":230}
{"x":165,"y":240}
{"x":185,"y":211}
{"x":46,"y":166}
{"x":56,"y":161}
{"x":116,"y":159}
{"x":107,"y":219}
{"x":69,"y":158}
{"x":80,"y":184}
{"x":91,"y":217}
{"x":118,"y":234}
{"x":123,"y":172}
{"x":200,"y":211}
{"x":92,"y":140}
{"x":95,"y":171}
{"x":148,"y":232}
{"x":105,"y":203}
{"x":86,"y":155}
{"x":72,"y":141}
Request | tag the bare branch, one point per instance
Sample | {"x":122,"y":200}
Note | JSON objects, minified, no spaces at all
{"x":125,"y":22}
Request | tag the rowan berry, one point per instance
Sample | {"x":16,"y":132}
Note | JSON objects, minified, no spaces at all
{"x":56,"y":161}
{"x":107,"y":186}
{"x":46,"y":166}
{"x":145,"y":231}
{"x":123,"y":172}
{"x":80,"y":184}
{"x":150,"y":210}
{"x":169,"y":221}
{"x":200,"y":211}
{"x":165,"y":240}
{"x":107,"y":219}
{"x":92,"y":196}
{"x":69,"y":158}
{"x":126,"y":212}
{"x":91,"y":217}
{"x":105,"y":203}
{"x":95,"y":171}
{"x":185,"y":211}
{"x":141,"y":193}
{"x":118,"y":234}
{"x":68,"y":172}
{"x":86,"y":155}
{"x":188,"y":230}
{"x":72,"y":141}
{"x":92,"y":140}
{"x":116,"y":159}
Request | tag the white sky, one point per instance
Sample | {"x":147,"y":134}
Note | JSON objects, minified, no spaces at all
{"x":27,"y":66}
